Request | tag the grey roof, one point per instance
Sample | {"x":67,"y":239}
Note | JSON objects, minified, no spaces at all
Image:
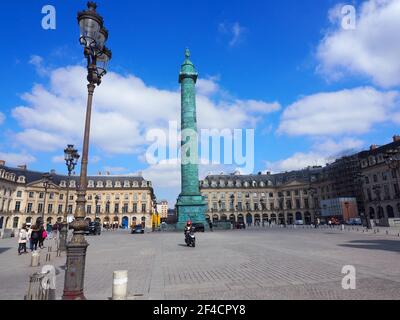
{"x":33,"y":176}
{"x":276,"y":179}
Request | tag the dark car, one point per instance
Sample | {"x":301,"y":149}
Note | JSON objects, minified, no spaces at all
{"x":137,"y":229}
{"x":198,"y":227}
{"x":94,"y":228}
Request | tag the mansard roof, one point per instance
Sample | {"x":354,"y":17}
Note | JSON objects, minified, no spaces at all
{"x":33,"y":176}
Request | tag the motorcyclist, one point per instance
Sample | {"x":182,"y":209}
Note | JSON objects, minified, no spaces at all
{"x":188,"y":228}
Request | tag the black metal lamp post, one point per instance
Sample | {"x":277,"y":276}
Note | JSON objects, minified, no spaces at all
{"x":47,"y":177}
{"x":96,"y":200}
{"x":93,"y":38}
{"x":71,"y":160}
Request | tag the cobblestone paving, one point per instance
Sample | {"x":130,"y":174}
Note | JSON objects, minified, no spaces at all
{"x":252,"y":264}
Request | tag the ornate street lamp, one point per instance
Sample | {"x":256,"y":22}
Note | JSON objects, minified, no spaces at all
{"x":359,"y":178}
{"x":71,"y":157}
{"x":96,"y":200}
{"x":47,"y":178}
{"x":93,"y":37}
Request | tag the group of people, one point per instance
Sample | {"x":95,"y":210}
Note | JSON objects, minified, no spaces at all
{"x":35,"y":236}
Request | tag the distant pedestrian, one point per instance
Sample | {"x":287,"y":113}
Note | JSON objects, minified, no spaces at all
{"x":211,"y":226}
{"x":49,"y":230}
{"x":22,"y":240}
{"x":30,"y":238}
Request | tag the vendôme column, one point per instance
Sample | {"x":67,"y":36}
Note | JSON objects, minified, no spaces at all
{"x":191,"y":205}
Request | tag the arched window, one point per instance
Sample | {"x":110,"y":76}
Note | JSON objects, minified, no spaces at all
{"x":390,"y":211}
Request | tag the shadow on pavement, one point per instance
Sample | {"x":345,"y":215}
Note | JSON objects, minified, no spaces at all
{"x":386,"y":245}
{"x":2,"y":250}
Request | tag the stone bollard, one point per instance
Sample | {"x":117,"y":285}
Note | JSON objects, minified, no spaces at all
{"x":35,"y":259}
{"x":120,"y":285}
{"x":342,"y":227}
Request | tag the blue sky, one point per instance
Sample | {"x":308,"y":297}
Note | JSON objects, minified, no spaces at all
{"x":311,"y":89}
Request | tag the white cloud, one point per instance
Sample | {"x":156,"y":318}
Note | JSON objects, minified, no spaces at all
{"x":371,"y":50}
{"x":234,"y":31}
{"x":2,"y":118}
{"x":16,"y":159}
{"x":352,"y":111}
{"x":37,"y":62}
{"x":124,"y":109}
{"x":324,"y":151}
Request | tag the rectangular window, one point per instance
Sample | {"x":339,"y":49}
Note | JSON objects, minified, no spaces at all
{"x":125,"y":208}
{"x":396,"y":189}
{"x":41,"y":195}
{"x":40,"y":207}
{"x":60,"y":208}
{"x":297,"y":203}
{"x":306,"y":204}
{"x":89,"y":209}
{"x":90,"y":197}
{"x":71,"y":197}
{"x":61,"y":196}
{"x":98,"y":207}
{"x":29,"y":208}
{"x":134,"y":208}
{"x":19,"y":194}
{"x":116,"y":208}
{"x":215,"y":206}
{"x":239,"y":205}
{"x":17,"y":206}
{"x":50,"y":208}
{"x":31,"y":194}
{"x":51,"y":197}
{"x":143,"y":208}
{"x":70,"y":207}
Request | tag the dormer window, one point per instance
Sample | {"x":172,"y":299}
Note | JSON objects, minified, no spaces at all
{"x":127,"y":184}
{"x":21,"y":179}
{"x":144,"y":184}
{"x":246,"y":184}
{"x":72,"y":184}
{"x":63,"y":184}
{"x":91,"y":184}
{"x":135,"y":184}
{"x":238,"y":183}
{"x":222,"y":183}
{"x":205,"y":183}
{"x":230,"y":183}
{"x":99,"y":184}
{"x":254,"y":184}
{"x":109,"y":184}
{"x":214,"y":184}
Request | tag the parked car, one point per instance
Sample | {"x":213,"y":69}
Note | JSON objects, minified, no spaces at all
{"x":94,"y":228}
{"x":198,"y":227}
{"x":137,"y":229}
{"x":354,"y":222}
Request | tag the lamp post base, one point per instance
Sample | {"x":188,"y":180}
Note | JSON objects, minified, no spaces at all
{"x":75,"y":268}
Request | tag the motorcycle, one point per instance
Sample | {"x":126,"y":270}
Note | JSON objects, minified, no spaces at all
{"x":190,"y":239}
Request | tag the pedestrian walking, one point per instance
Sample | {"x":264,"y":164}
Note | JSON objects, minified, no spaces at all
{"x":42,"y":237}
{"x":211,"y":226}
{"x":49,"y":230}
{"x":30,"y":238}
{"x":35,"y":237}
{"x":22,"y":240}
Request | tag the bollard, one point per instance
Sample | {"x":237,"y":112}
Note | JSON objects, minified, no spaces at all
{"x":35,"y":259}
{"x":120,"y":285}
{"x":342,"y":227}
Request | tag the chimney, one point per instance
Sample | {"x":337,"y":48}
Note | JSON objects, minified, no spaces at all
{"x":99,"y":173}
{"x":53,"y":171}
{"x":2,"y":163}
{"x":373,"y":147}
{"x":23,"y":167}
{"x":396,"y":138}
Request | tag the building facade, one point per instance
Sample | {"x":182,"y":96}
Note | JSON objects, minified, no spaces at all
{"x":380,"y":184}
{"x":122,"y":200}
{"x":258,"y":199}
{"x":162,"y":210}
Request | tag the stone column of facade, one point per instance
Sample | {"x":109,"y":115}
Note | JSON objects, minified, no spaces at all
{"x":190,"y":205}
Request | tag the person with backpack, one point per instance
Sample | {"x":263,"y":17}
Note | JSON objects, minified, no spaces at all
{"x":35,"y":237}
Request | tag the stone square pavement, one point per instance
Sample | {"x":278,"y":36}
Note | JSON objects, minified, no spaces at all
{"x":240,"y":264}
